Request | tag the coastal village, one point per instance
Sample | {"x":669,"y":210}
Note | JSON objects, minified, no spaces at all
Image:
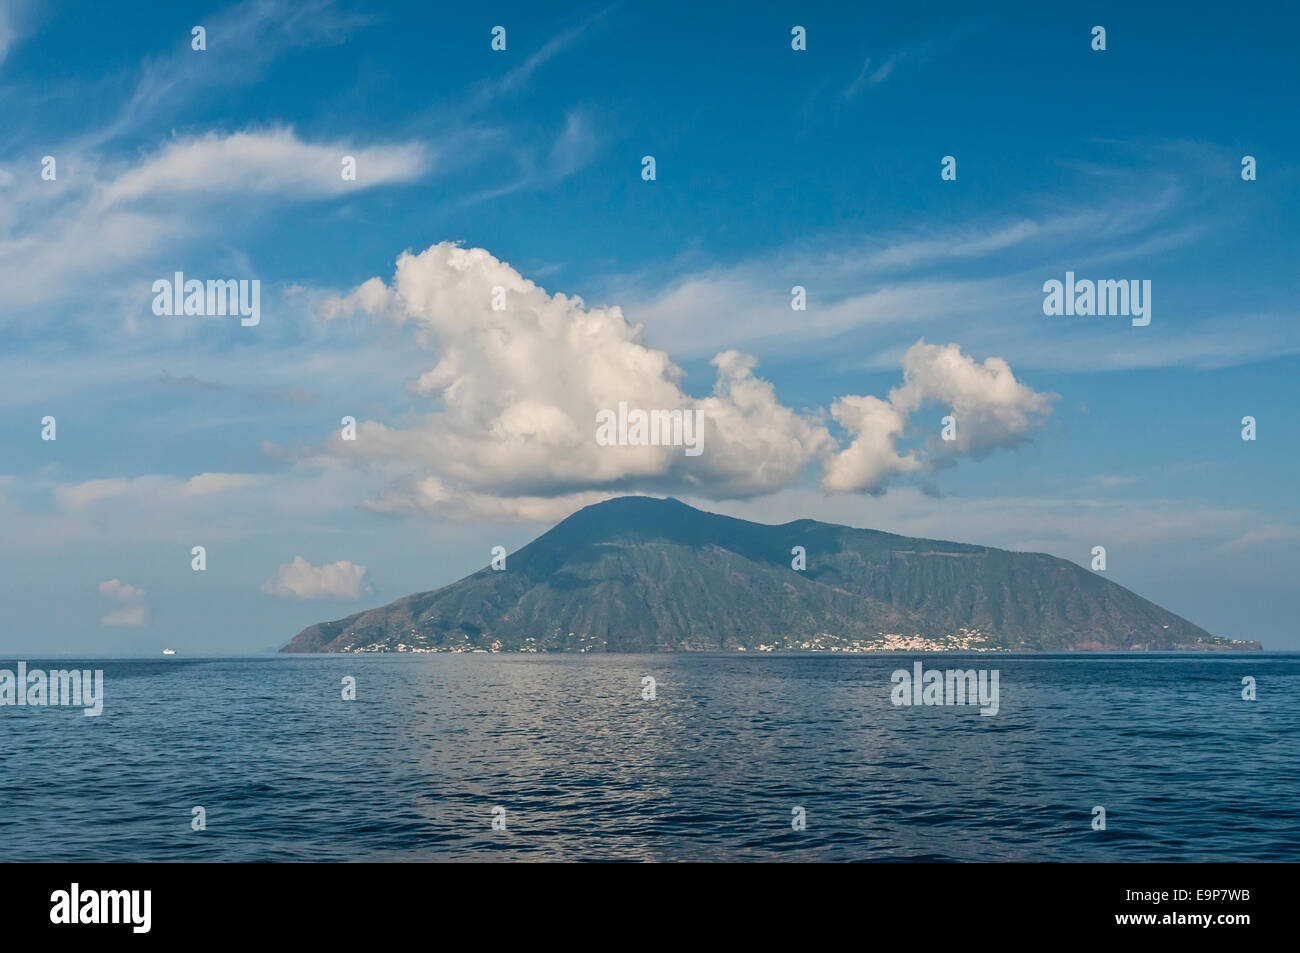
{"x":964,"y":640}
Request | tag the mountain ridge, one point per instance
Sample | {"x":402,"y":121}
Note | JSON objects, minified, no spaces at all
{"x":643,"y":574}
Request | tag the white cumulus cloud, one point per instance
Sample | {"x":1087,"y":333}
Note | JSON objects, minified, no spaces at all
{"x":871,"y":459}
{"x":517,"y":392}
{"x":522,"y":374}
{"x":301,"y":580}
{"x":992,"y":409}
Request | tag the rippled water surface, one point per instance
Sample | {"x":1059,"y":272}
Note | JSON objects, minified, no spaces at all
{"x":711,"y":769}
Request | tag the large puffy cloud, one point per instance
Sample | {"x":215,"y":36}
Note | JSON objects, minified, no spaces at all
{"x":301,"y":580}
{"x":871,"y":459}
{"x":992,"y":409}
{"x":519,"y":390}
{"x":523,"y":374}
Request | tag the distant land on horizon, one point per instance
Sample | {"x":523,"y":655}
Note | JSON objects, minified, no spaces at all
{"x":642,"y":574}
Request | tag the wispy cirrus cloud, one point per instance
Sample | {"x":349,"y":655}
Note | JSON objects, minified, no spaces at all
{"x":871,"y":77}
{"x":272,"y":162}
{"x":8,"y":29}
{"x":876,"y":70}
{"x":113,"y":216}
{"x":977,"y":281}
{"x":242,"y":41}
{"x":81,"y":495}
{"x":520,"y":75}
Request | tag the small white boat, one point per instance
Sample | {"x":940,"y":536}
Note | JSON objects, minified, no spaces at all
{"x":169,"y":651}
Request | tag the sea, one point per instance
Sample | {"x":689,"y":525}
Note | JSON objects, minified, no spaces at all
{"x":721,"y":757}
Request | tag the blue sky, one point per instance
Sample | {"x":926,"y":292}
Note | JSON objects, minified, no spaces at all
{"x":775,"y":168}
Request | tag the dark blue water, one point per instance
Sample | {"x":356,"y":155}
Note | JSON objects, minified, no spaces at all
{"x":711,"y":769}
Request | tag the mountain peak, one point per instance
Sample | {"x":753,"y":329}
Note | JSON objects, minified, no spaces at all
{"x":644,"y":574}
